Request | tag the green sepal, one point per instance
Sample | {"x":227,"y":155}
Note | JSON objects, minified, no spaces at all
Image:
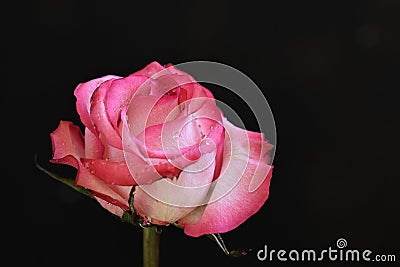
{"x":67,"y":181}
{"x":131,"y":218}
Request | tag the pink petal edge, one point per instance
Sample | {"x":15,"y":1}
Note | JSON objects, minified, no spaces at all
{"x":234,"y":208}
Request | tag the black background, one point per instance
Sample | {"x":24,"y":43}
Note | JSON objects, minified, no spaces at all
{"x":329,"y":70}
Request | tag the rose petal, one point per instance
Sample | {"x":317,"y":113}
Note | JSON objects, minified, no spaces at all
{"x":147,"y":165}
{"x":231,"y":202}
{"x":69,"y":149}
{"x":145,"y":111}
{"x":94,"y":148}
{"x":113,"y":154}
{"x":151,"y":69}
{"x":67,"y":140}
{"x":110,"y":172}
{"x":83,"y":94}
{"x":188,"y":129}
{"x":194,"y":90}
{"x":155,"y":102}
{"x":219,"y":156}
{"x":114,"y":194}
{"x":119,"y":94}
{"x":110,"y":207}
{"x":100,"y":117}
{"x":169,"y":200}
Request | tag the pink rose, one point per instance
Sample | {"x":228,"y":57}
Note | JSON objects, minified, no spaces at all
{"x":161,"y":132}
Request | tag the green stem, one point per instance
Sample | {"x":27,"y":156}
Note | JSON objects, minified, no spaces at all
{"x":151,"y":242}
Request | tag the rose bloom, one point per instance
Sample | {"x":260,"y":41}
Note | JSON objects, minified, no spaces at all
{"x":159,"y":134}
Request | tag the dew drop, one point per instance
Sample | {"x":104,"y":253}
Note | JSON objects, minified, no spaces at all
{"x":214,"y":127}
